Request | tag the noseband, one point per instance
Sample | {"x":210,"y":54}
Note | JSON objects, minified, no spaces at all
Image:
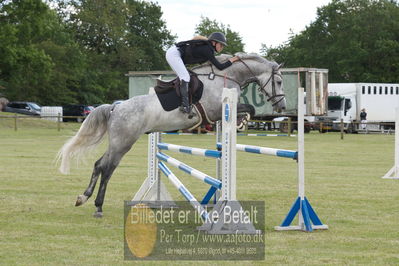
{"x":274,"y":95}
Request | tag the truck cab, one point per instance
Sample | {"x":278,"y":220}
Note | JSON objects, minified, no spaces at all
{"x":342,"y":107}
{"x":339,"y":107}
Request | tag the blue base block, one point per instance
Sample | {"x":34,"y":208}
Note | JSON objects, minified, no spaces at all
{"x":209,"y":195}
{"x":308,"y":214}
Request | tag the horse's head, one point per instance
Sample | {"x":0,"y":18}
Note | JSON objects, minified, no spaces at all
{"x":268,"y":76}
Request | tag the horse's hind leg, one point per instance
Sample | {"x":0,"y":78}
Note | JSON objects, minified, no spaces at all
{"x":108,"y":166}
{"x":109,"y":162}
{"x":89,"y":191}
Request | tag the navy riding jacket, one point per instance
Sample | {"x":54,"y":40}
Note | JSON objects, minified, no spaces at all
{"x":198,"y":52}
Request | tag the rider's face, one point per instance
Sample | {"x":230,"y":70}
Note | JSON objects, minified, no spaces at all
{"x":219,"y":47}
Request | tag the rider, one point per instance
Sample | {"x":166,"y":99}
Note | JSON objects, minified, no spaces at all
{"x":196,"y":51}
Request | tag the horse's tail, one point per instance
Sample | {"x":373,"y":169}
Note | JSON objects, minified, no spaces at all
{"x":88,"y":137}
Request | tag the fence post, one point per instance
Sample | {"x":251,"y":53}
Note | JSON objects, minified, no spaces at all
{"x":15,"y":122}
{"x":59,"y":122}
{"x":342,"y":128}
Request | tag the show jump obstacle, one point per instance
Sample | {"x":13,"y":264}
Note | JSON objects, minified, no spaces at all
{"x":301,"y":206}
{"x":394,"y":172}
{"x":154,"y":192}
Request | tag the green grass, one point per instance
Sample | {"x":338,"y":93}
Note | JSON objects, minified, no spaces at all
{"x":39,"y":224}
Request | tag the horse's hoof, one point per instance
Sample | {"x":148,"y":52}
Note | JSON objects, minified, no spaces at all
{"x":81,"y":200}
{"x":241,"y":127}
{"x":98,"y":215}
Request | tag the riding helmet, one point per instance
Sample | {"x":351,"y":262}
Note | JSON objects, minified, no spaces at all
{"x":218,"y":37}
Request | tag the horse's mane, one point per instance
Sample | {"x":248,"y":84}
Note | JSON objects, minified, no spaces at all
{"x":255,"y":57}
{"x":244,"y":56}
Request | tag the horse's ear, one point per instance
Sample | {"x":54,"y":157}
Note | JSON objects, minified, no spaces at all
{"x":280,"y":66}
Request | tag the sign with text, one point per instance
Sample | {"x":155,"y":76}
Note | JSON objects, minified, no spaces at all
{"x":169,"y":233}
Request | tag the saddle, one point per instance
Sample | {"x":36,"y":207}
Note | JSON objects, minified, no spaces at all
{"x":168,"y":92}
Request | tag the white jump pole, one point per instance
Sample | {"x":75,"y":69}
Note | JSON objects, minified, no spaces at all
{"x":227,"y":202}
{"x":219,"y":160}
{"x":301,"y":146}
{"x":229,"y":141}
{"x":394,"y":172}
{"x":301,"y":206}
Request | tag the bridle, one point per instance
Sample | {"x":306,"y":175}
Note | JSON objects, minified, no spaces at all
{"x":262,"y":88}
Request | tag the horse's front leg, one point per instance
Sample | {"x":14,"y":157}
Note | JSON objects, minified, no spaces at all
{"x":246,"y":108}
{"x":244,"y":113}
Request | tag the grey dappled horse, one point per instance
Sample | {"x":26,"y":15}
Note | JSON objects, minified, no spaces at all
{"x":127,"y":121}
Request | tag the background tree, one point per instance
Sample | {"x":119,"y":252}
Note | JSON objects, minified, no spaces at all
{"x":77,"y":51}
{"x":357,"y":40}
{"x":147,"y":33}
{"x":117,"y":36}
{"x":234,"y":40}
{"x":29,"y":31}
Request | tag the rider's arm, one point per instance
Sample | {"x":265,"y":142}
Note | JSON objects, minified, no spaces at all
{"x":219,"y":65}
{"x":222,"y":66}
{"x":208,"y":52}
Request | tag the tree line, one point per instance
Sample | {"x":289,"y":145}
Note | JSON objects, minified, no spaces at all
{"x":59,"y":52}
{"x":357,"y":40}
{"x":56,"y":52}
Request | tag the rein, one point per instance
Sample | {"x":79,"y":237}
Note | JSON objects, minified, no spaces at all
{"x":212,"y":75}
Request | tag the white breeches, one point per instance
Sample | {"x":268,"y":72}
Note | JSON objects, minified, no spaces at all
{"x":363,"y":124}
{"x":173,"y":57}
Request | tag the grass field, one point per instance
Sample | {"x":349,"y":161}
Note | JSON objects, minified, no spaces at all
{"x":39,"y":224}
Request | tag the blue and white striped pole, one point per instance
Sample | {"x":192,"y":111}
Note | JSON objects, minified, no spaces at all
{"x":191,"y":171}
{"x":188,"y":134}
{"x":189,"y":150}
{"x":238,"y":134}
{"x":265,"y":150}
{"x":183,"y":190}
{"x":265,"y":135}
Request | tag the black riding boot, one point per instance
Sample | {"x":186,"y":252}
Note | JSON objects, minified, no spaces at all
{"x":185,"y":104}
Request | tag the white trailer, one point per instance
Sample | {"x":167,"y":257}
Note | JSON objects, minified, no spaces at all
{"x":346,"y":100}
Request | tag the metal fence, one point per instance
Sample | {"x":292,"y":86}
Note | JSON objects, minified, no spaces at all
{"x":57,"y":119}
{"x":285,"y":126}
